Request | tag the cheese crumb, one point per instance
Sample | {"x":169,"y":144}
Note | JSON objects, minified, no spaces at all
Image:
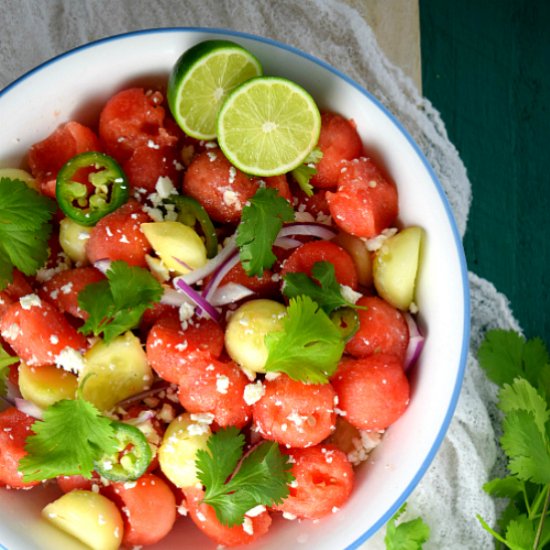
{"x":253,"y":392}
{"x":349,"y":294}
{"x":222,"y":384}
{"x":70,"y":360}
{"x":30,"y":300}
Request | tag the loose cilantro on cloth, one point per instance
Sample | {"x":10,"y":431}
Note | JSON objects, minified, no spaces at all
{"x":407,"y":535}
{"x":24,"y":229}
{"x":5,"y":361}
{"x":70,"y":438}
{"x":327,"y":291}
{"x":306,"y":171}
{"x":261,"y":222}
{"x":232,"y":489}
{"x":309,"y":346}
{"x":116,"y":305}
{"x":522,"y":370}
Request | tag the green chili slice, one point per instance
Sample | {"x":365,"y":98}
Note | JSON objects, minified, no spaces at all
{"x":347,"y":321}
{"x":191,"y":212}
{"x":90,"y":186}
{"x":132,"y":457}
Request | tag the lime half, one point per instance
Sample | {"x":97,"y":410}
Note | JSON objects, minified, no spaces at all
{"x":268,"y":126}
{"x":200,"y":81}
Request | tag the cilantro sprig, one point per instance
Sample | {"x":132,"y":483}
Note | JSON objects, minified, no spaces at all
{"x":308,"y":347}
{"x":24,"y":229}
{"x":306,"y":171}
{"x":261,"y":221}
{"x":522,"y":370}
{"x":71,"y":437}
{"x":5,"y":361}
{"x":406,"y":535}
{"x":116,"y":304}
{"x":323,"y":287}
{"x":233,"y":488}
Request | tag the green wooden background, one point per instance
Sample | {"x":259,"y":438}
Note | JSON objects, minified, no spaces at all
{"x":486,"y":68}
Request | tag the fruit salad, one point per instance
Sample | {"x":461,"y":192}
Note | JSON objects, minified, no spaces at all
{"x":213,"y":325}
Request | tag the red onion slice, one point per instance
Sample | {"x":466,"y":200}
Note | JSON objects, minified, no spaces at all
{"x":309,"y":229}
{"x":211,"y":265}
{"x":229,"y":294}
{"x":223,"y":270}
{"x":173,"y":297}
{"x":416,"y":342}
{"x":29,"y":408}
{"x":199,"y":300}
{"x":162,"y":386}
{"x":287,"y":243}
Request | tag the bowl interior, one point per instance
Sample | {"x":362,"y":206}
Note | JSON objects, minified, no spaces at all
{"x":75,"y":86}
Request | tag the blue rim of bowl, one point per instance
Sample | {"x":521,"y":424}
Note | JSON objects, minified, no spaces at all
{"x":464,"y":271}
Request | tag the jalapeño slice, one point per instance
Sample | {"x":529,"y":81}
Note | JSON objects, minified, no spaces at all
{"x":347,"y":322}
{"x":90,"y":186}
{"x":191,"y":212}
{"x":132,"y":457}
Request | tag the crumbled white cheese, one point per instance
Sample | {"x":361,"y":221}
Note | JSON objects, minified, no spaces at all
{"x":375,"y":243}
{"x":253,"y":392}
{"x":70,"y":360}
{"x":222,"y":384}
{"x":248,"y":526}
{"x":164,"y":187}
{"x":256,"y":511}
{"x":30,"y":300}
{"x":363,"y":446}
{"x":66,"y":289}
{"x":349,"y":294}
{"x":230,"y":198}
{"x":199,"y":428}
{"x":12,"y":332}
{"x":202,"y":418}
{"x":186,"y":311}
{"x":303,"y":217}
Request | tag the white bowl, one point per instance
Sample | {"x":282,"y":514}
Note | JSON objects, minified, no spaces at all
{"x":75,"y":85}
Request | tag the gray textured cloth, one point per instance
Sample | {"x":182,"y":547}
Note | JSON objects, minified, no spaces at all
{"x":449,"y":496}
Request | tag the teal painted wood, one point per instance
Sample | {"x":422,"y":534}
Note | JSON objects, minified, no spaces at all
{"x":486,"y":68}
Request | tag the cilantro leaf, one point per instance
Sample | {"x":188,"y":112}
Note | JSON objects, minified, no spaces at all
{"x":526,"y":447}
{"x":507,"y":487}
{"x":72,"y":436}
{"x":520,"y":533}
{"x":262,"y":477}
{"x":327,"y":293}
{"x":506,"y":355}
{"x":116,"y":305}
{"x":5,"y":361}
{"x":261,"y":222}
{"x":309,"y":346}
{"x":24,"y":229}
{"x":521,"y":396}
{"x":407,"y":535}
{"x":306,"y":171}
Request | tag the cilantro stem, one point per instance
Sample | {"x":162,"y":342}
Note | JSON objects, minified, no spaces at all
{"x":542,"y":518}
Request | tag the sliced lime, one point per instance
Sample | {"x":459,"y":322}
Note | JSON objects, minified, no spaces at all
{"x":200,"y":81}
{"x":268,"y":126}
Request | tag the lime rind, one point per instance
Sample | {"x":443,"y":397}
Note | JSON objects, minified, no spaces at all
{"x":200,"y":81}
{"x":268,"y":126}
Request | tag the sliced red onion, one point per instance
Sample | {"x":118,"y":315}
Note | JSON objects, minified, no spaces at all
{"x":223,"y":270}
{"x":416,"y":342}
{"x":29,"y":408}
{"x":309,"y":229}
{"x":103,"y":265}
{"x":211,"y":265}
{"x":287,"y":243}
{"x":229,"y":294}
{"x":173,"y":297}
{"x":199,"y":300}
